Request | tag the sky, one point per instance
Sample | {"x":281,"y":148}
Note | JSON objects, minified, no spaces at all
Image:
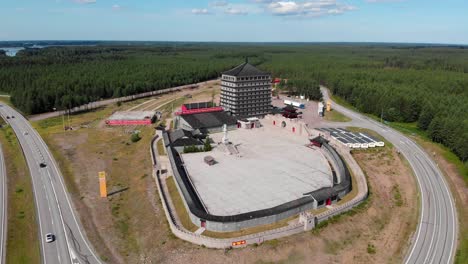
{"x":409,"y":21}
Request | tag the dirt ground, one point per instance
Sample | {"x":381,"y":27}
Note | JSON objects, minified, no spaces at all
{"x":378,"y":233}
{"x":130,"y":226}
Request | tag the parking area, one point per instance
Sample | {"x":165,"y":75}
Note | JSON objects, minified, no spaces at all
{"x":309,"y":113}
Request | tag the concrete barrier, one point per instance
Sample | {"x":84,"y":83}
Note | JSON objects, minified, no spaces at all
{"x":257,"y":238}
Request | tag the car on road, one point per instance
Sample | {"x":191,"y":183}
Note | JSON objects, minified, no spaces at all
{"x":12,"y":116}
{"x":42,"y":165}
{"x":8,"y":117}
{"x":49,"y":238}
{"x":25,"y":133}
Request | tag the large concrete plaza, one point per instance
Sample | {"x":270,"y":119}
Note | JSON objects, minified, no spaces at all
{"x":275,"y":167}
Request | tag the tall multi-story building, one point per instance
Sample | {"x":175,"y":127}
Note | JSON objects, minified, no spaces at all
{"x":246,"y":91}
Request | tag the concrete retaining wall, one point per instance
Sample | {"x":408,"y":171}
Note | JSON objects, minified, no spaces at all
{"x":258,"y":238}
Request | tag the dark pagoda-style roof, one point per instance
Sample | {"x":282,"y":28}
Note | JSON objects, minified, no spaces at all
{"x":289,"y":108}
{"x":245,"y":69}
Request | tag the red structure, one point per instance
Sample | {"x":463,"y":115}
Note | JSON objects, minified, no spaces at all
{"x":131,"y":118}
{"x":290,"y":112}
{"x":144,"y":122}
{"x":196,"y":108}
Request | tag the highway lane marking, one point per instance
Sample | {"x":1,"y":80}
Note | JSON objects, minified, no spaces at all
{"x":452,"y":207}
{"x":48,"y":201}
{"x":399,"y":135}
{"x":66,"y":195}
{"x":435,"y":172}
{"x":17,"y":127}
{"x":422,"y":244}
{"x":60,"y":213}
{"x":38,"y":208}
{"x":437,"y":175}
{"x":440,"y":208}
{"x":436,"y":209}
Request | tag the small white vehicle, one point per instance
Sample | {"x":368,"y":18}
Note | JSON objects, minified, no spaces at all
{"x":49,"y":237}
{"x":25,"y":133}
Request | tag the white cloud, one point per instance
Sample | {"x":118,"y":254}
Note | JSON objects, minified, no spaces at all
{"x":85,"y":1}
{"x":219,"y":3}
{"x":234,"y":11}
{"x":309,"y":8}
{"x":116,"y":7}
{"x":284,"y":8}
{"x":200,"y":11}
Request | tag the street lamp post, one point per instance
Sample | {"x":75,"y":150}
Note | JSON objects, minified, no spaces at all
{"x":63,"y":118}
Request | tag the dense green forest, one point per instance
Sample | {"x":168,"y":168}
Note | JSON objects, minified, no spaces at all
{"x":404,"y":83}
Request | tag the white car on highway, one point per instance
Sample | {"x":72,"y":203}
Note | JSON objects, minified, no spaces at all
{"x":49,"y":237}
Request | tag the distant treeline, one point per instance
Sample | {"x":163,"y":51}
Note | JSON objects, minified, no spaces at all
{"x":428,"y":86}
{"x":404,"y":83}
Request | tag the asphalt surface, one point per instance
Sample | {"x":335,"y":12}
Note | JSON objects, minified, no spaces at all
{"x":436,"y":234}
{"x":3,"y":209}
{"x":55,"y":213}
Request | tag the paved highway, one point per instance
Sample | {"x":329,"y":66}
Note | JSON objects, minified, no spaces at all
{"x":3,"y":204}
{"x":55,"y":212}
{"x":436,"y":234}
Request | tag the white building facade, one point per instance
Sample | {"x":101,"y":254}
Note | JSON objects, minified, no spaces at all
{"x":246,"y":91}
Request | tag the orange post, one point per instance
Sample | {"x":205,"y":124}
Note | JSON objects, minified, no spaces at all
{"x":328,"y":106}
{"x":103,"y":184}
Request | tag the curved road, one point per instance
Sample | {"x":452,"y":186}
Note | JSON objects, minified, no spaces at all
{"x":3,"y":210}
{"x":55,"y":212}
{"x":436,"y":235}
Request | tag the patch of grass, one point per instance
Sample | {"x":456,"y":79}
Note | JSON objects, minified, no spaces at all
{"x":332,"y":247}
{"x":179,"y":205}
{"x":342,"y":102}
{"x":248,"y":231}
{"x":397,"y":196}
{"x":371,"y":249}
{"x":272,"y":243}
{"x":408,"y":128}
{"x":6,"y":100}
{"x":335,"y":116}
{"x":161,"y":149}
{"x":354,"y":191}
{"x":335,"y":219}
{"x":135,"y":137}
{"x":294,"y":257}
{"x":22,"y":234}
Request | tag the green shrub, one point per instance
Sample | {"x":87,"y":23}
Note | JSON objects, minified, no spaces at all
{"x":207,"y":146}
{"x":135,"y":137}
{"x":192,"y":149}
{"x":371,"y":249}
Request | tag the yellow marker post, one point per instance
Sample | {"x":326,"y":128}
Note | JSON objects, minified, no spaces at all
{"x":328,"y":106}
{"x":102,"y":184}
